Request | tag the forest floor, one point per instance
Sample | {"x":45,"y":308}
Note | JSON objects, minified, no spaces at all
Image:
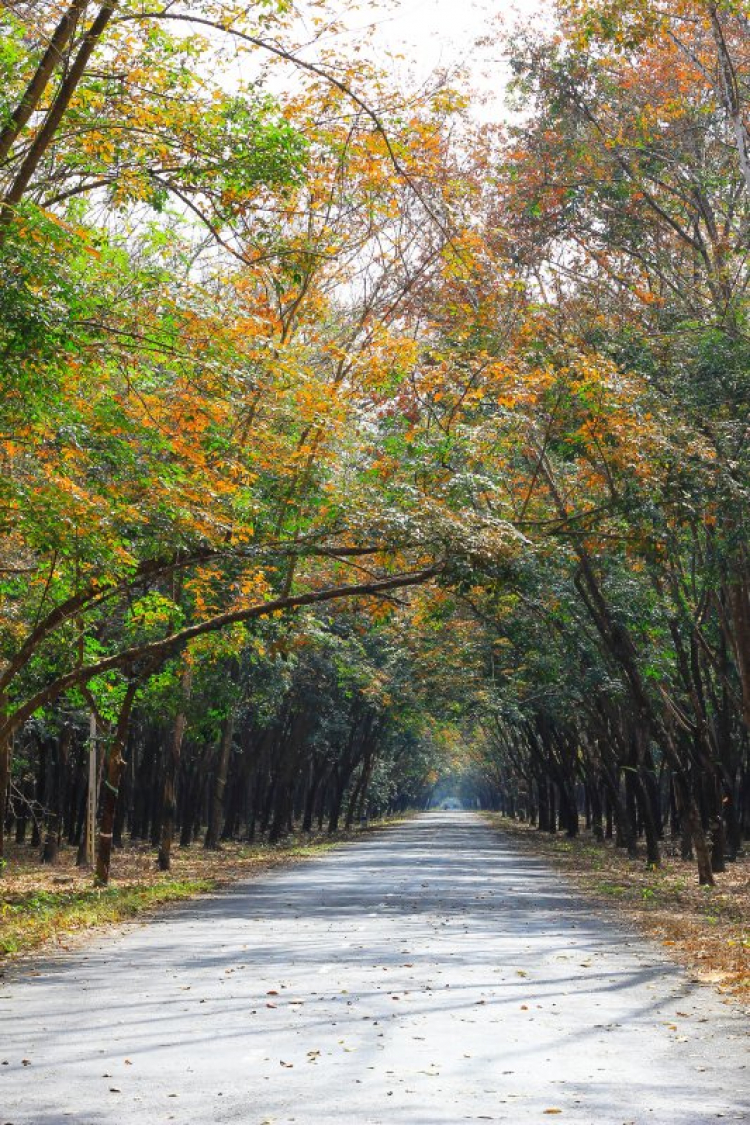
{"x":50,"y":905}
{"x":707,"y":929}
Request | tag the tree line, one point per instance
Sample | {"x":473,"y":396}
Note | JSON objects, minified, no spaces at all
{"x":349,"y":444}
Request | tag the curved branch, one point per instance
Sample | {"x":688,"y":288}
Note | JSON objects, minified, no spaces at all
{"x":156,"y":651}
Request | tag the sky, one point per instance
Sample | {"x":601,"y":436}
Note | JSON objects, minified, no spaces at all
{"x":442,"y":32}
{"x":434,"y":34}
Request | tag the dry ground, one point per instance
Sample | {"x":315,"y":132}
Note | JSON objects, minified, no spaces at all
{"x":705,"y":928}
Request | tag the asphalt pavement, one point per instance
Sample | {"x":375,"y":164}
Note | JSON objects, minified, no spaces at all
{"x":425,"y":974}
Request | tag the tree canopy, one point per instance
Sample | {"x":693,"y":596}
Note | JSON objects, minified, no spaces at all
{"x":356,"y":452}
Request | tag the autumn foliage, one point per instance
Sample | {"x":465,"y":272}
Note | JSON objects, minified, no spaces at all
{"x":348,"y":445}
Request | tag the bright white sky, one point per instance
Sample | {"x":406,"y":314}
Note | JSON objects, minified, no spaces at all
{"x":440,"y":32}
{"x":435,"y":34}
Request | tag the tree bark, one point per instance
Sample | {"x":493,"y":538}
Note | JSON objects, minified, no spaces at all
{"x":46,"y":133}
{"x":55,"y":797}
{"x":216,"y":818}
{"x":115,"y":765}
{"x":49,"y":61}
{"x":171,"y":767}
{"x":5,"y":749}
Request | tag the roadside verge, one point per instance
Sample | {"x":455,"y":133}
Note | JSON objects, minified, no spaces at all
{"x":707,"y":929}
{"x":44,"y":907}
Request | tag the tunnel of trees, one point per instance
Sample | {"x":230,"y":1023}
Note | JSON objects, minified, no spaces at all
{"x":351,"y":447}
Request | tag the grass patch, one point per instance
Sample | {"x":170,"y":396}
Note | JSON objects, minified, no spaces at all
{"x":303,"y":850}
{"x":615,"y":890}
{"x":42,"y":905}
{"x":30,"y":920}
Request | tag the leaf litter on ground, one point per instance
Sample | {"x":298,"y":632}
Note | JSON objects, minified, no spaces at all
{"x":707,"y":929}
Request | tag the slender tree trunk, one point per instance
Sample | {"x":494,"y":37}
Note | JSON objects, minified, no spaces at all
{"x":354,"y":797}
{"x":171,"y":767}
{"x":365,"y":789}
{"x":597,"y":812}
{"x":543,"y":791}
{"x":55,"y":797}
{"x":22,"y":817}
{"x":46,"y":133}
{"x":115,"y":764}
{"x":336,"y":801}
{"x":623,"y":827}
{"x":568,"y":792}
{"x":318,"y":771}
{"x":48,"y":63}
{"x":653,"y":852}
{"x":123,"y":811}
{"x":216,"y":817}
{"x":40,"y":793}
{"x":690,"y":815}
{"x":609,"y":827}
{"x":730,"y":92}
{"x":287,"y":758}
{"x":4,"y":784}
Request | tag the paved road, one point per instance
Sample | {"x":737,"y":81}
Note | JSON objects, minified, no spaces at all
{"x":429,"y":974}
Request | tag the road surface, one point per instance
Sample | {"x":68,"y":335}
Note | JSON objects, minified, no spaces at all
{"x":428,"y":974}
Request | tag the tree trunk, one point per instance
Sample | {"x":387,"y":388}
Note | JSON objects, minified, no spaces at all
{"x":597,"y":812}
{"x":354,"y":797}
{"x":338,"y":796}
{"x":653,"y":852}
{"x":171,"y":767}
{"x":691,"y":818}
{"x":318,"y":772}
{"x":115,"y":765}
{"x":55,"y":797}
{"x":48,"y":63}
{"x":126,"y":791}
{"x":5,"y":744}
{"x":46,"y":133}
{"x":216,"y":817}
{"x":543,"y":794}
